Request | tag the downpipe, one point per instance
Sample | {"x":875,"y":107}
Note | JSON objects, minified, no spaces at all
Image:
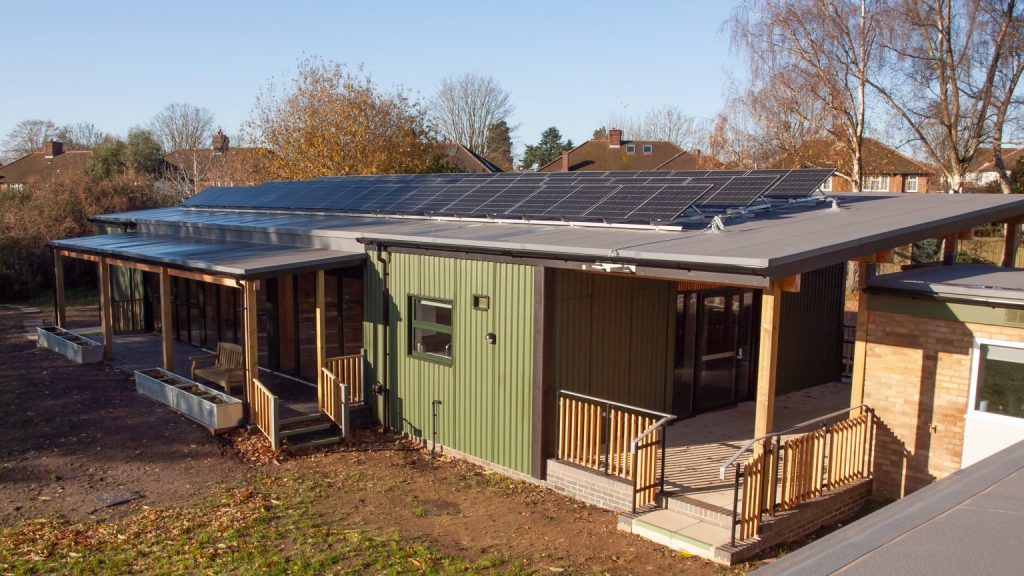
{"x":382,"y":388}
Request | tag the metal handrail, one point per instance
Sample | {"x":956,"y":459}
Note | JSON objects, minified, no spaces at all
{"x":650,"y":430}
{"x":750,"y":443}
{"x":611,"y":403}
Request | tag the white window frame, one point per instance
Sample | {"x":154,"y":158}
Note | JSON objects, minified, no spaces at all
{"x":972,"y":395}
{"x":826,"y":186}
{"x":648,"y":148}
{"x":884,"y":180}
{"x":630,"y":148}
{"x":912,"y":179}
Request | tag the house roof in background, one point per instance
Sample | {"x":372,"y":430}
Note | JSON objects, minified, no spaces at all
{"x":465,"y":159}
{"x":601,"y":156}
{"x":984,"y":161}
{"x":879,"y":159}
{"x":36,"y":166}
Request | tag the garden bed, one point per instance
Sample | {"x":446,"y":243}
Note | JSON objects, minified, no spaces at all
{"x":215,"y":410}
{"x":70,"y":345}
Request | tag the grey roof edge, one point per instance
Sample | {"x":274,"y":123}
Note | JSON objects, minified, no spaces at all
{"x":205,"y":267}
{"x":798,"y":263}
{"x":855,"y":540}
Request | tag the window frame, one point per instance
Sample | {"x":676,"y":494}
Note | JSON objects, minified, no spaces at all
{"x":826,"y":186}
{"x":414,"y":323}
{"x":906,"y":184}
{"x":882,"y":178}
{"x":648,"y":148}
{"x":972,"y":391}
{"x":630,"y":148}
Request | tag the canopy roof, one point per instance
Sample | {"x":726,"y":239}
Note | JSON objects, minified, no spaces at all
{"x":217,"y":257}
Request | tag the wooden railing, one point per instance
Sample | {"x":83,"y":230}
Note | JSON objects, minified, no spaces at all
{"x":349,"y":370}
{"x":619,"y":440}
{"x":333,"y":399}
{"x":265,"y":407}
{"x":780,"y":475}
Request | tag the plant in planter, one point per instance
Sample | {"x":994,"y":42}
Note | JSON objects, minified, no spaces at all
{"x":70,"y":345}
{"x":211,"y":408}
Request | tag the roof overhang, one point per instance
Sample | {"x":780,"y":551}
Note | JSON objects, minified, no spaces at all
{"x":232,"y":259}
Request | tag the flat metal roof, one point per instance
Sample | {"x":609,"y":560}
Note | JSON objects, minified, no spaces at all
{"x":971,"y":522}
{"x":222,"y":258}
{"x":974,"y":281}
{"x":776,"y":243}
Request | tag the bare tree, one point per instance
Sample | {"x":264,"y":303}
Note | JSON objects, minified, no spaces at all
{"x":812,"y":58}
{"x":464,"y":107}
{"x":80,"y":136}
{"x":667,"y":123}
{"x":27,"y":136}
{"x":183,"y":126}
{"x":951,"y":70}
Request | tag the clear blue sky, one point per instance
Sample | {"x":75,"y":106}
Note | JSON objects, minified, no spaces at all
{"x":571,"y":65}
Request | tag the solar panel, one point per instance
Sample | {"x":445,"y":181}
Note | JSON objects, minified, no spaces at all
{"x":799,"y":183}
{"x":628,"y":196}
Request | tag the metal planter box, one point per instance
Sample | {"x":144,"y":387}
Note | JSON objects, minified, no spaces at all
{"x":218,"y":416}
{"x":70,"y":345}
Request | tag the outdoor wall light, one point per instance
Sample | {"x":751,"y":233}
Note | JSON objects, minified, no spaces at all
{"x":481,"y":302}
{"x":490,"y":338}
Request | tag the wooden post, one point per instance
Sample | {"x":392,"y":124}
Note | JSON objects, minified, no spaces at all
{"x":106,"y":314}
{"x":166,"y":321}
{"x":861,"y":342}
{"x":249,"y":338}
{"x":321,"y":332}
{"x":949,"y":246}
{"x":1012,"y":236}
{"x":59,"y":313}
{"x":771,"y":308}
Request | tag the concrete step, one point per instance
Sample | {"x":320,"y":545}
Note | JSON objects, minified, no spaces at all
{"x":703,"y":511}
{"x":683,"y":533}
{"x":299,"y":419}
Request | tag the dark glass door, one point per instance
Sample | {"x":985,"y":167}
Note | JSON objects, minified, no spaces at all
{"x":723,"y":349}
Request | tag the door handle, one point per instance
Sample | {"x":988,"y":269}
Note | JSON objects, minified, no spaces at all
{"x":739,"y":354}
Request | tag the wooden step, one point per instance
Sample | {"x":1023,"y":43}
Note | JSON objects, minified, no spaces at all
{"x":299,"y":419}
{"x":307,"y":429}
{"x":314,"y":443}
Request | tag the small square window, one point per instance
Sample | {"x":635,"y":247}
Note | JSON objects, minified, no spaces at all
{"x":911,"y":184}
{"x":630,"y":148}
{"x":430,"y":330}
{"x":481,"y":302}
{"x":648,"y":148}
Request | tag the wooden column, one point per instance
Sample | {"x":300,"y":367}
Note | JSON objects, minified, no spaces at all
{"x":166,"y":319}
{"x":1012,"y":236}
{"x":949,"y":246}
{"x":106,"y":314}
{"x":59,"y":313}
{"x":321,"y":330}
{"x":861,"y":343}
{"x":771,"y":308}
{"x":249,"y":338}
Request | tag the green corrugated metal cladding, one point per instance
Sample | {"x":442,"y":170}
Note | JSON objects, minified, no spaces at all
{"x":485,"y":392}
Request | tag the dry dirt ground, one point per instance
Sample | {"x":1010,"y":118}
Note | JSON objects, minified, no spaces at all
{"x":72,"y":433}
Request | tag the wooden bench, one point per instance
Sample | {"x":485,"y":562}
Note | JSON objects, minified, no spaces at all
{"x":227,"y":369}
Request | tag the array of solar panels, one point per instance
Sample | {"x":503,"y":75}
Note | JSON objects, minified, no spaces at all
{"x":628,"y":197}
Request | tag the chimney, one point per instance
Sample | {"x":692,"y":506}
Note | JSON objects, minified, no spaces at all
{"x":565,"y":161}
{"x":220,"y":142}
{"x":53,"y":148}
{"x":615,"y":137}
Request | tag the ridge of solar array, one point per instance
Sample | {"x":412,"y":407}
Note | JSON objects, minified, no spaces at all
{"x":634,"y":196}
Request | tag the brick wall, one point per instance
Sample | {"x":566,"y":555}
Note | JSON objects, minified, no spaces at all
{"x":590,"y":486}
{"x":917,"y":378}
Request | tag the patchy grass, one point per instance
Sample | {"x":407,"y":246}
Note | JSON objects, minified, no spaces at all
{"x":248,"y":532}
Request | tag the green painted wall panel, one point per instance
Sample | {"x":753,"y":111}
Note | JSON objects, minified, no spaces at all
{"x":614,"y":338}
{"x":486,"y":391}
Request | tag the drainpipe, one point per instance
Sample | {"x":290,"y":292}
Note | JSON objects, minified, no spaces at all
{"x":385,"y":299}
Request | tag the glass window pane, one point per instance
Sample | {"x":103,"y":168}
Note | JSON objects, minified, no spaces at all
{"x":434,"y":312}
{"x":1001,"y":381}
{"x":426,"y":341}
{"x":431,"y":328}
